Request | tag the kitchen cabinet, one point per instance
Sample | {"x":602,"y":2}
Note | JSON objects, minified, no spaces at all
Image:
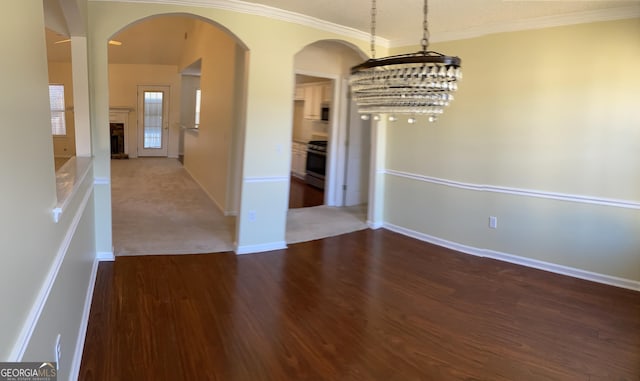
{"x":312,"y":101}
{"x":327,"y":93}
{"x":298,"y":159}
{"x":314,"y":96}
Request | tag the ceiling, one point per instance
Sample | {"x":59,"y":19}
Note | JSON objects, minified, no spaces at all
{"x":400,"y":21}
{"x":57,"y":52}
{"x":160,"y":40}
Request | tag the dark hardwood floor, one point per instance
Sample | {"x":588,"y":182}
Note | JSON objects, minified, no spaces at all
{"x":370,"y":305}
{"x":302,"y":195}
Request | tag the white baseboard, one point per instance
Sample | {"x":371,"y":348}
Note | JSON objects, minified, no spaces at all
{"x":528,"y":262}
{"x":84,"y":323}
{"x":252,"y":249}
{"x":375,"y":225}
{"x":105,"y":256}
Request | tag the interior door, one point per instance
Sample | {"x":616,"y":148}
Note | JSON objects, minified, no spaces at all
{"x":153,"y":120}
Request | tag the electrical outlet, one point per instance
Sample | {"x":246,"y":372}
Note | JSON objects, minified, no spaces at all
{"x":252,"y":215}
{"x":493,"y":222}
{"x":58,"y":351}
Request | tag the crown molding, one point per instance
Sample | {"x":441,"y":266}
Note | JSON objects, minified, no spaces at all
{"x":266,"y":11}
{"x":529,"y":24}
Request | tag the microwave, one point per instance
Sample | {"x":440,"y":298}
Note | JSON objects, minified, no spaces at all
{"x":324,"y":113}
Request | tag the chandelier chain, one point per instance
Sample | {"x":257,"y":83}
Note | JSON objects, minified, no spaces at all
{"x":425,"y":27}
{"x":374,"y":11}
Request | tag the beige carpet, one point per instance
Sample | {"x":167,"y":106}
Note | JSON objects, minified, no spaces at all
{"x":307,"y":224}
{"x":159,"y":209}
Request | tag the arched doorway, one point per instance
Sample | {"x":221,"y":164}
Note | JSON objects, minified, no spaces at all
{"x":325,"y":118}
{"x":152,"y":113}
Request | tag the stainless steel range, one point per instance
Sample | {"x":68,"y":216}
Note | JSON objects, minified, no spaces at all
{"x":316,"y":163}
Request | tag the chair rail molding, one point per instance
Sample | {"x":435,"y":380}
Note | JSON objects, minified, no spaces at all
{"x":627,"y":204}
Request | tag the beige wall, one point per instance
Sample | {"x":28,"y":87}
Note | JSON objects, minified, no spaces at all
{"x":124,"y":80}
{"x":60,"y":74}
{"x":552,"y":110}
{"x":31,"y":193}
{"x":207,"y":152}
{"x":189,"y":85}
{"x":33,"y":246}
{"x":64,"y":311}
{"x":327,"y":57}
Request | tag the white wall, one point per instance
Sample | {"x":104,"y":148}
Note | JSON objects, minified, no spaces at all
{"x":123,"y":86}
{"x":539,"y":114}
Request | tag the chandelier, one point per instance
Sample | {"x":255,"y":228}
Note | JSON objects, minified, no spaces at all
{"x":413,"y":84}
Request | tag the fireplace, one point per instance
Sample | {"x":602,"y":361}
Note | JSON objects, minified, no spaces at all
{"x":118,"y":132}
{"x":117,"y":141}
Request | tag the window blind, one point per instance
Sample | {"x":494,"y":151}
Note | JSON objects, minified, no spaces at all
{"x":56,"y":101}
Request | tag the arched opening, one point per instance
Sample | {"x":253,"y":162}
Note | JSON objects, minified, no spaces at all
{"x":61,"y":96}
{"x":331,"y":145}
{"x":175,"y":179}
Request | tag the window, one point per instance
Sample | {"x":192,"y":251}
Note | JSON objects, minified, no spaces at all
{"x":197,"y":122}
{"x":153,"y":119}
{"x":56,"y":102}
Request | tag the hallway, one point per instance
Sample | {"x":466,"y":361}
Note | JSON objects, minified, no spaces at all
{"x":159,"y":209}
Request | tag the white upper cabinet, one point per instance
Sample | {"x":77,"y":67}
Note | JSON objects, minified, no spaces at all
{"x":327,"y":93}
{"x":314,"y":95}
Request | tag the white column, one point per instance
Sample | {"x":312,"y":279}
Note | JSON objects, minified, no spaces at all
{"x":375,"y":217}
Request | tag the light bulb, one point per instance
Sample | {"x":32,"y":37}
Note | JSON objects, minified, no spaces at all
{"x":392,"y":118}
{"x":364,"y":117}
{"x":376,"y":117}
{"x":432,"y":118}
{"x":411,"y":120}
